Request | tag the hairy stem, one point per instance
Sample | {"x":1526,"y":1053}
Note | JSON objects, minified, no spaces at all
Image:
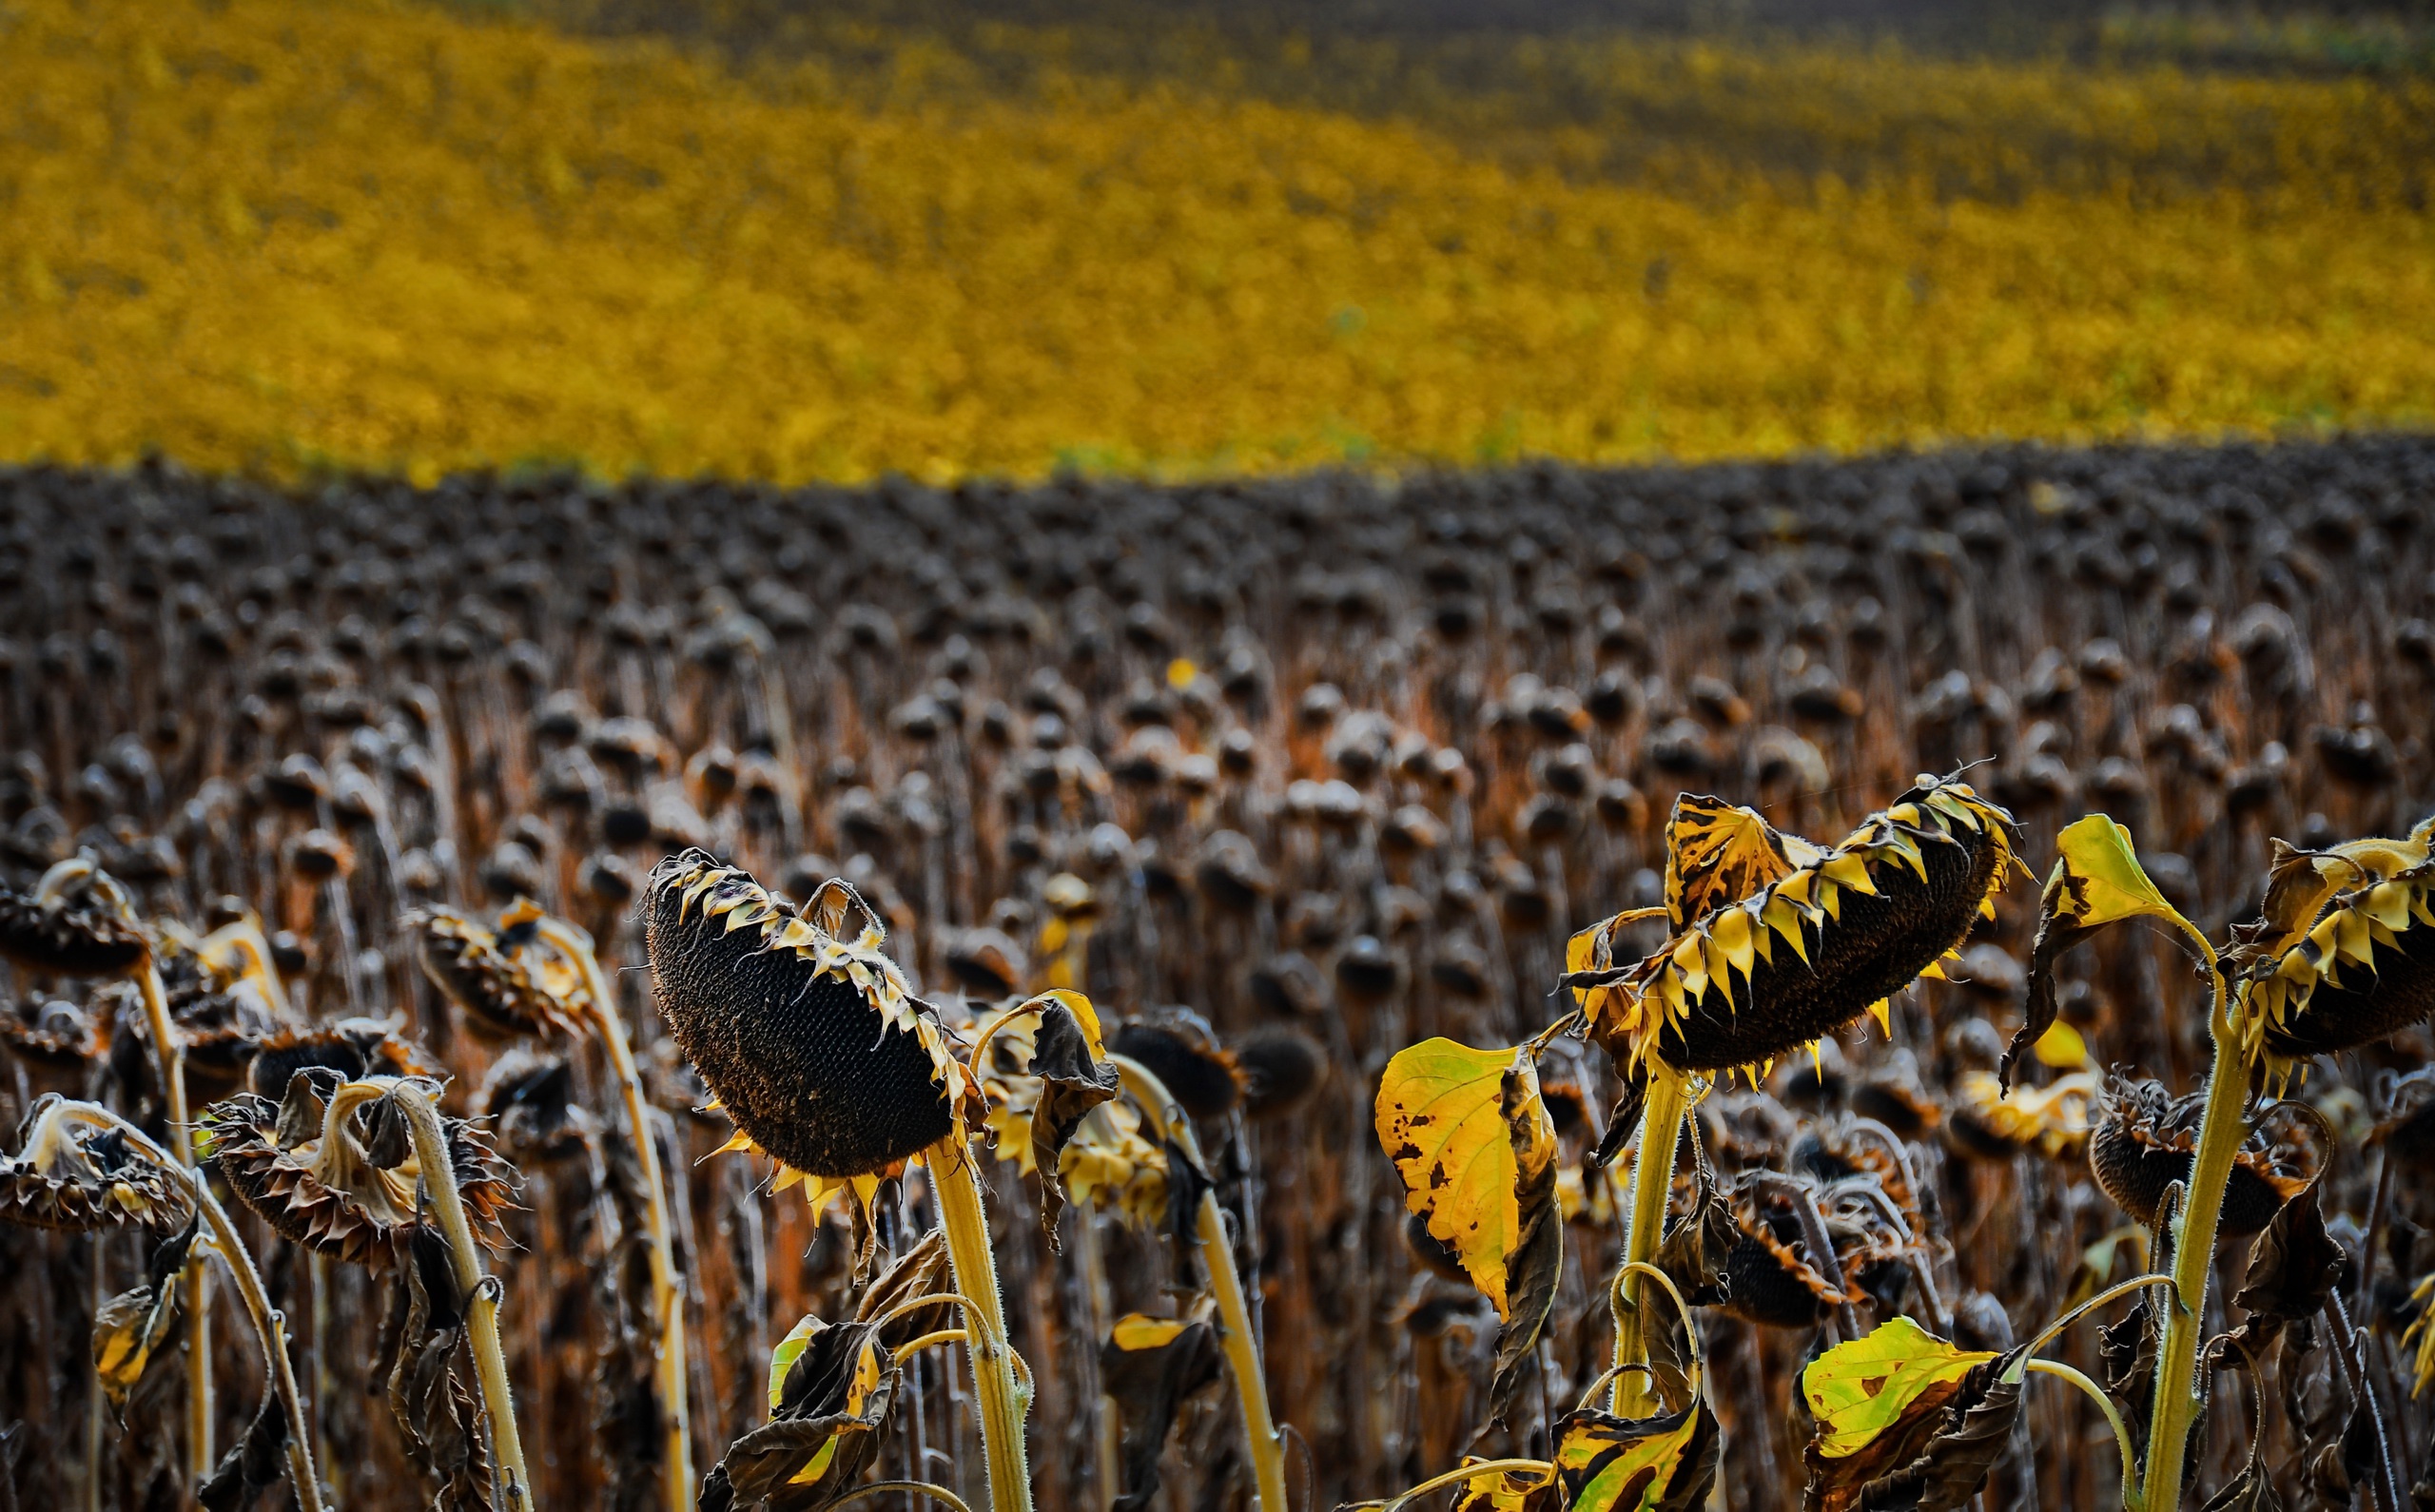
{"x":956,"y":1179}
{"x":668,"y":1291}
{"x":2180,"y":1391}
{"x":481,"y":1295}
{"x":1234,"y":1317}
{"x":1661,"y":1130}
{"x":170,"y":1058}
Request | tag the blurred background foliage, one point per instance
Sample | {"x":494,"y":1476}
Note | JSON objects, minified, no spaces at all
{"x":754,"y":238}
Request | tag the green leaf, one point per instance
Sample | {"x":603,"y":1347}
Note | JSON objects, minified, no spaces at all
{"x":1857,"y":1390}
{"x":789,"y":1350}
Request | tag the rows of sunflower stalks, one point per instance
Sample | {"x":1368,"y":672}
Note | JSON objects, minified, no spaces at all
{"x":1107,"y":995}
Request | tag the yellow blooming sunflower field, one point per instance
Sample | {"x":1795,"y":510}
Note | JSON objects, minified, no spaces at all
{"x":291,"y":235}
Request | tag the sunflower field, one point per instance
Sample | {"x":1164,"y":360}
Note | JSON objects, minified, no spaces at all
{"x":292,"y":238}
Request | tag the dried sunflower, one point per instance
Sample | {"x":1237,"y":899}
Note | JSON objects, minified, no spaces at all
{"x":79,"y":1176}
{"x":1771,"y":1275}
{"x":2344,"y":955}
{"x":1984,"y":1122}
{"x":57,"y":1036}
{"x":505,"y":987}
{"x":1777,"y":942}
{"x":329,"y":1167}
{"x":354,"y":1048}
{"x":74,"y":923}
{"x":1182,"y":1052}
{"x":2146,"y":1139}
{"x":814,"y":1046}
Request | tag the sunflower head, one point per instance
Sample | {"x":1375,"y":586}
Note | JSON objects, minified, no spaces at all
{"x":1770,"y":1278}
{"x":1776,"y":941}
{"x":329,"y":1168}
{"x":2345,"y":953}
{"x":79,"y":1176}
{"x":353,"y":1048}
{"x":1985,"y":1122}
{"x":506,"y":983}
{"x":806,"y":1032}
{"x":1182,"y":1052}
{"x":76,"y":923}
{"x":2145,"y":1139}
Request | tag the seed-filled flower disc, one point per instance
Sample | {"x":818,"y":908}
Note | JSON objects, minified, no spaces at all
{"x":2145,"y":1141}
{"x":813,"y":1045}
{"x":1827,"y":937}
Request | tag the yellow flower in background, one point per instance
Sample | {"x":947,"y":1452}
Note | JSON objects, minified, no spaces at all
{"x":285,"y":236}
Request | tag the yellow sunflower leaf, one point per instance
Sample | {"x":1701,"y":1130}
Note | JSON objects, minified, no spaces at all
{"x":1858,"y":1390}
{"x":1444,"y":1117}
{"x":1137,"y":1331}
{"x":1665,"y":1463}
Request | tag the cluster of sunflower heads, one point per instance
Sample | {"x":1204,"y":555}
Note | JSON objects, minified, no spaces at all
{"x":1774,"y":941}
{"x":78,"y":1175}
{"x":332,"y":1166}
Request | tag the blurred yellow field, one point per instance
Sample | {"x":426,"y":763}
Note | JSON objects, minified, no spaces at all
{"x":289,"y":236}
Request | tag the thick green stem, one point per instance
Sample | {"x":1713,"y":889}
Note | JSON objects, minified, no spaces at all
{"x":668,"y":1292}
{"x":2180,"y":1392}
{"x":481,"y":1295}
{"x":269,"y":1324}
{"x":1661,"y":1130}
{"x":1233,"y":1316}
{"x":956,"y":1179}
{"x":170,"y":1058}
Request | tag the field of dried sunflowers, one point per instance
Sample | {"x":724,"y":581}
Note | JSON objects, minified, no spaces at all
{"x":532,"y":994}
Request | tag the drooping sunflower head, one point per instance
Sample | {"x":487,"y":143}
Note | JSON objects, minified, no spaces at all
{"x":1776,"y":943}
{"x":330,"y":1167}
{"x":505,"y":983}
{"x":1986,"y":1122}
{"x":808,"y":1035}
{"x":2344,"y":955}
{"x":2145,"y":1139}
{"x":76,"y":923}
{"x":81,"y":1176}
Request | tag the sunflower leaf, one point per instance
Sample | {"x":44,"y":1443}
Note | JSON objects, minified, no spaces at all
{"x":1071,"y":1063}
{"x":1905,"y":1418}
{"x":1148,"y":1368}
{"x":2097,"y":880}
{"x":1666,"y":1464}
{"x":1719,"y":853}
{"x":1468,"y":1132}
{"x":131,"y":1327}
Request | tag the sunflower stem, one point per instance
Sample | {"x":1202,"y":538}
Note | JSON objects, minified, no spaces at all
{"x":1234,"y":1317}
{"x":1661,"y":1130}
{"x":2180,"y":1391}
{"x":170,"y":1058}
{"x":481,"y":1295}
{"x":957,"y":1178}
{"x":270,"y":1325}
{"x":668,"y":1292}
{"x":2112,"y":1416}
